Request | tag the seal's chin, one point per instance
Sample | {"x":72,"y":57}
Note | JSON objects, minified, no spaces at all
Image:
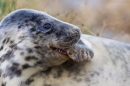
{"x":60,"y":50}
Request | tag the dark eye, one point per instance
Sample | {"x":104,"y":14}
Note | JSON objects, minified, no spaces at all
{"x":47,"y":26}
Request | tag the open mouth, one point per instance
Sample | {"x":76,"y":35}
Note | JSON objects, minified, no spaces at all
{"x":59,"y":50}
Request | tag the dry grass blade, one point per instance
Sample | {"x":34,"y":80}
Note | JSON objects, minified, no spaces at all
{"x":89,"y":31}
{"x":103,"y":27}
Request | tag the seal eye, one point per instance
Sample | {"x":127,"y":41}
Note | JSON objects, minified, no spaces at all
{"x":47,"y":26}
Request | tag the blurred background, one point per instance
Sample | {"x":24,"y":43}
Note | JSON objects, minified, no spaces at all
{"x":104,"y":18}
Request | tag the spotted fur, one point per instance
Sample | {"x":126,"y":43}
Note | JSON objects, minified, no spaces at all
{"x":26,"y":53}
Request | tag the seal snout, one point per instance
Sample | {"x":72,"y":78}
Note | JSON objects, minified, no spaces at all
{"x":76,"y":31}
{"x":72,"y":37}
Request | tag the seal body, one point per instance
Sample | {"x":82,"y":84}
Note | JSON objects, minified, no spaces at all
{"x":33,"y":43}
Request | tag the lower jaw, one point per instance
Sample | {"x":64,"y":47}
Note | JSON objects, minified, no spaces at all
{"x":58,"y":58}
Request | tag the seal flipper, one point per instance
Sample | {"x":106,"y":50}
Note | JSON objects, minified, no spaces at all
{"x":80,"y":52}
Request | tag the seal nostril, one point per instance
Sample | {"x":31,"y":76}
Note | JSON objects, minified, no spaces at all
{"x":77,"y":31}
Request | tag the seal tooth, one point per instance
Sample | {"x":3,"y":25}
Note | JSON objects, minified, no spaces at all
{"x":62,"y":51}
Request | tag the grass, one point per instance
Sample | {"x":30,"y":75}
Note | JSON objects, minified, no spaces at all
{"x":6,"y":6}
